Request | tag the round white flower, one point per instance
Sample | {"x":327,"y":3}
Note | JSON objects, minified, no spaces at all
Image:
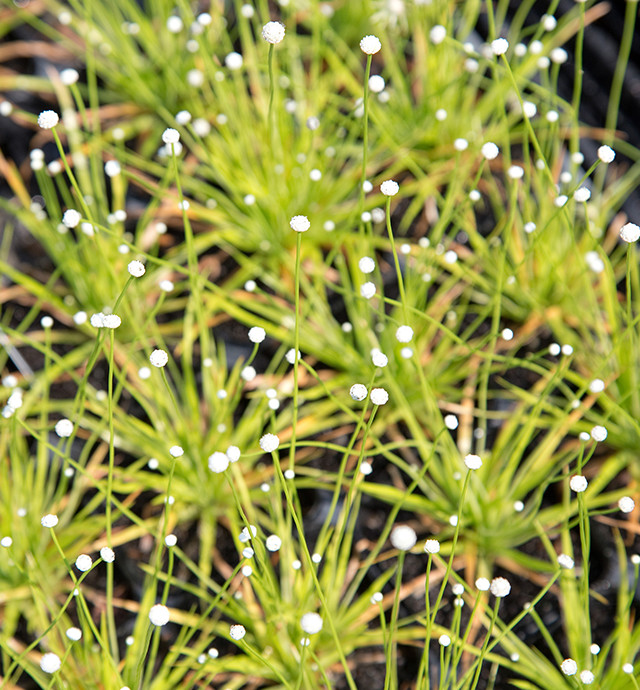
{"x":233,"y":453}
{"x":49,"y":520}
{"x":112,"y":168}
{"x":404,"y":334}
{"x":582,"y":194}
{"x":444,"y":640}
{"x":432,"y":546}
{"x":233,"y":61}
{"x":473,"y":462}
{"x":569,"y":667}
{"x":170,"y":540}
{"x":159,"y":358}
{"x":490,"y":151}
{"x":159,"y":615}
{"x":366,"y":264}
{"x":257,"y":334}
{"x":74,"y":634}
{"x":269,"y":443}
{"x":565,"y":561}
{"x":578,"y":483}
{"x":599,"y":433}
{"x":389,"y":187}
{"x":83,"y":562}
{"x":170,"y":136}
{"x":630,"y":232}
{"x":460,"y":144}
{"x":483,"y":584}
{"x":627,"y":668}
{"x":50,"y":662}
{"x":358,"y":391}
{"x":273,"y":32}
{"x":48,"y":119}
{"x":606,"y":154}
{"x":69,"y":76}
{"x":237,"y":632}
{"x":378,"y":358}
{"x":248,"y":534}
{"x":376,"y":83}
{"x":596,"y":386}
{"x":111,"y":321}
{"x":499,"y":46}
{"x":300,"y":223}
{"x":71,"y":218}
{"x":136,"y":268}
{"x":626,"y":504}
{"x":370,"y":45}
{"x":379,"y":396}
{"x":500,"y":587}
{"x":64,"y":428}
{"x":218,"y":462}
{"x":311,"y":623}
{"x":437,"y":34}
{"x":107,"y":554}
{"x":587,"y":677}
{"x":368,"y":289}
{"x":273,"y":542}
{"x":403,"y":538}
{"x":176,"y":451}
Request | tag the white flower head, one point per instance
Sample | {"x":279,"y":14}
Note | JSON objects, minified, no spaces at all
{"x":237,"y":632}
{"x":64,"y":428}
{"x":273,"y":542}
{"x":490,"y":151}
{"x":483,"y":584}
{"x":48,"y":119}
{"x":627,"y":668}
{"x":500,"y":587}
{"x":136,"y":268}
{"x":376,"y":83}
{"x":170,"y":136}
{"x":74,"y":634}
{"x":499,"y":46}
{"x":565,"y":561}
{"x":49,"y":520}
{"x":606,"y":154}
{"x":444,"y":640}
{"x":273,"y":32}
{"x":234,"y":61}
{"x":578,"y":483}
{"x":366,"y":264}
{"x":112,"y":168}
{"x":569,"y":667}
{"x":403,"y":538}
{"x":69,"y":76}
{"x":378,"y":358}
{"x":269,"y":443}
{"x":437,"y":34}
{"x":370,"y":45}
{"x":599,"y":433}
{"x":389,"y":187}
{"x":596,"y":386}
{"x":404,"y":334}
{"x":358,"y":391}
{"x":218,"y":462}
{"x":432,"y":546}
{"x":248,"y":534}
{"x":50,"y":662}
{"x":107,"y":554}
{"x":311,"y":623}
{"x":257,"y":334}
{"x":83,"y":562}
{"x":71,"y":218}
{"x":473,"y":462}
{"x":379,"y":396}
{"x":587,"y":677}
{"x":159,"y":358}
{"x":368,"y":289}
{"x":233,"y":453}
{"x":176,"y":451}
{"x":300,"y":223}
{"x":159,"y":615}
{"x":630,"y":232}
{"x":626,"y":504}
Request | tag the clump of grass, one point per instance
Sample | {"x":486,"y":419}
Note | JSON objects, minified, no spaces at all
{"x":336,"y":352}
